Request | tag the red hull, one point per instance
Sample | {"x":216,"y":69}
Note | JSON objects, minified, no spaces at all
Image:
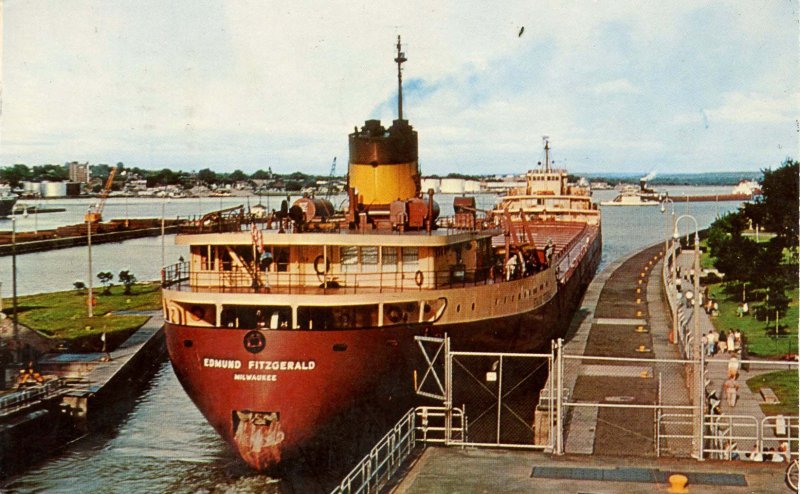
{"x":271,"y":393}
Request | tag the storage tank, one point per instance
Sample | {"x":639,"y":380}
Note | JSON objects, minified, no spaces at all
{"x":31,"y":188}
{"x":54,"y":189}
{"x":431,"y":183}
{"x":452,"y":186}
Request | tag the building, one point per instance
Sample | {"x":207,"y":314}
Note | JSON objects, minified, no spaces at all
{"x":79,"y":172}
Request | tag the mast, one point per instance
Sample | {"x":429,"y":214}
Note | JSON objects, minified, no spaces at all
{"x":546,"y":140}
{"x":401,"y":57}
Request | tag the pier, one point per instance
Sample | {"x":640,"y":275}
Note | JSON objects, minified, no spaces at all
{"x":81,"y":393}
{"x":628,"y":415}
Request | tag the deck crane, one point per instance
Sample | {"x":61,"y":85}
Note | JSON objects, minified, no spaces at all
{"x":95,"y":214}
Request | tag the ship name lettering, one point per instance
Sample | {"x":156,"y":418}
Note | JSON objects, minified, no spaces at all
{"x":281,"y":365}
{"x":222,"y":363}
{"x":255,"y":377}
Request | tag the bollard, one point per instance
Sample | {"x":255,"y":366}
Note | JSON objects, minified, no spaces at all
{"x":677,"y":483}
{"x":642,"y":349}
{"x":640,"y":329}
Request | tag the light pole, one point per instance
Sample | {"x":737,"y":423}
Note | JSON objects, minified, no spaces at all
{"x":18,"y":353}
{"x":163,"y":249}
{"x":698,"y":355}
{"x":90,"y":300}
{"x":674,"y":260}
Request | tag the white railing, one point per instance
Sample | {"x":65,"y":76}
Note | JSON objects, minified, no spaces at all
{"x":386,"y":457}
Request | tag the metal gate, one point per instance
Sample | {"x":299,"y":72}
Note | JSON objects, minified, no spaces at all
{"x":499,"y":394}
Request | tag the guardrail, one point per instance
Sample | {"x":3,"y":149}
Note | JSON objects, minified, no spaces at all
{"x":383,"y":460}
{"x":21,"y":398}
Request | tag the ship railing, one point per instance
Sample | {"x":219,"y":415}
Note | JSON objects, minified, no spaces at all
{"x":239,"y":279}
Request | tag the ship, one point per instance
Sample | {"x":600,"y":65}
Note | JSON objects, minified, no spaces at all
{"x":279,"y":326}
{"x":632,"y":195}
{"x":7,"y":201}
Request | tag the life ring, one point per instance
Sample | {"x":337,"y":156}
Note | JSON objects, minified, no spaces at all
{"x":419,"y":278}
{"x":317,"y":261}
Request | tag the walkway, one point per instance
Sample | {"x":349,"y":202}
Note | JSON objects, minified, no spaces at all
{"x":627,"y":319}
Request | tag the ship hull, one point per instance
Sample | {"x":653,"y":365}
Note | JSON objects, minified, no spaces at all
{"x":273,"y":395}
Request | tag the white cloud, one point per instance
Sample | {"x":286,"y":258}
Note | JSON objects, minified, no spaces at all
{"x":617,"y":86}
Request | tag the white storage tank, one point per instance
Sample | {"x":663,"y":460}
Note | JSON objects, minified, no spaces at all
{"x":471,"y":186}
{"x":452,"y":186}
{"x":430,"y":183}
{"x":32,"y":188}
{"x":54,"y":189}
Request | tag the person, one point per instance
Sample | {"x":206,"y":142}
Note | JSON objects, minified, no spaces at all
{"x":783,"y":449}
{"x":715,"y":309}
{"x":756,"y":455}
{"x":730,"y":386}
{"x":713,"y":337}
{"x":745,"y":308}
{"x":511,"y":267}
{"x":733,"y":367}
{"x":737,"y":341}
{"x":730,"y":341}
{"x":739,"y":311}
{"x":723,"y":342}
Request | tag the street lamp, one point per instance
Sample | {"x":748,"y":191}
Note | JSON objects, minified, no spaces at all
{"x":664,"y":200}
{"x":18,"y":354}
{"x":89,"y":217}
{"x":163,"y":249}
{"x":698,"y":355}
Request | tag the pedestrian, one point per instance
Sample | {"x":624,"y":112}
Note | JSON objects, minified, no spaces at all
{"x":723,"y":342}
{"x":731,"y":339}
{"x":756,"y":455}
{"x":713,"y":337}
{"x":730,"y":386}
{"x":739,"y":311}
{"x":737,"y":341}
{"x":733,"y":367}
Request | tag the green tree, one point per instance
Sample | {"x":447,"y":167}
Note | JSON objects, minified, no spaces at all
{"x":105,"y":278}
{"x":777,"y":211}
{"x":207,"y":176}
{"x":15,"y":174}
{"x":237,"y":176}
{"x":127,"y":279}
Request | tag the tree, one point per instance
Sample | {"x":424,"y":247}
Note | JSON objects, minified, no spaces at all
{"x":237,"y":176}
{"x":127,"y":279}
{"x":105,"y":278}
{"x":207,"y":176}
{"x":777,"y":211}
{"x":15,"y":174}
{"x":79,"y":285}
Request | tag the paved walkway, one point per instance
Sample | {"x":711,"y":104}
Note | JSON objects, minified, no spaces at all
{"x":628,"y":318}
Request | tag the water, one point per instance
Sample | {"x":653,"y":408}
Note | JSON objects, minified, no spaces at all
{"x":163,"y":444}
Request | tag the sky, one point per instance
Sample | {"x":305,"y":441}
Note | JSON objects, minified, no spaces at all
{"x":677,"y":86}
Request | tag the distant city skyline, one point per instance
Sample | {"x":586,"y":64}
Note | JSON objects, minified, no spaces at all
{"x":619,"y":87}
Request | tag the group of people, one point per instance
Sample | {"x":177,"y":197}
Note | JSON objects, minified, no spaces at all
{"x":722,"y":342}
{"x":770,"y":454}
{"x":730,"y":343}
{"x":525,"y":263}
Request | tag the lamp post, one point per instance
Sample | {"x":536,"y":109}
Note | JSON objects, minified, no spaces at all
{"x":698,"y":355}
{"x":670,"y":229}
{"x":163,"y":248}
{"x":90,"y":300}
{"x":18,"y":353}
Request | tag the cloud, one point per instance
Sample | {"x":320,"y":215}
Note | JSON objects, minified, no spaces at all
{"x":251,"y":84}
{"x":617,"y":86}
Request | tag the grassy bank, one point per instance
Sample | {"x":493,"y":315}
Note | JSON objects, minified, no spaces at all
{"x":63,"y":316}
{"x":760,"y":336}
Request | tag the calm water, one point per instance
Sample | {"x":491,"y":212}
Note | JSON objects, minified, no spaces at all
{"x":163,"y":444}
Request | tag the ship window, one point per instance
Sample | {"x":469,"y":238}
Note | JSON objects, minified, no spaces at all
{"x":389,"y":258}
{"x":369,"y":259}
{"x":342,"y":317}
{"x":256,"y":317}
{"x":349,"y":257}
{"x":410,"y":258}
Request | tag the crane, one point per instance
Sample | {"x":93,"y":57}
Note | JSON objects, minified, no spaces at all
{"x":329,"y":190}
{"x":95,"y":214}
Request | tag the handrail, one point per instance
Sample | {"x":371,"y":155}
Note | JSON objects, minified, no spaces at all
{"x":179,"y":275}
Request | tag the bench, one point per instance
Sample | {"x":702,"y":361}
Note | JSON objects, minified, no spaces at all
{"x":769,"y":396}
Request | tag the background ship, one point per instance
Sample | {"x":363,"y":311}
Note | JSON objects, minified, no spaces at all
{"x":283,"y":330}
{"x":7,"y":201}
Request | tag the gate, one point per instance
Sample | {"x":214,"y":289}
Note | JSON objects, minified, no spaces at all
{"x":497,"y":394}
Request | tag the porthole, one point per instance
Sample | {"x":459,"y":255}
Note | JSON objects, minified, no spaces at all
{"x":473,"y":305}
{"x":458,"y":308}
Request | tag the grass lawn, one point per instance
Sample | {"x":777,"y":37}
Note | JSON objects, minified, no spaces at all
{"x":760,"y":343}
{"x":784,"y":383}
{"x":63,"y":315}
